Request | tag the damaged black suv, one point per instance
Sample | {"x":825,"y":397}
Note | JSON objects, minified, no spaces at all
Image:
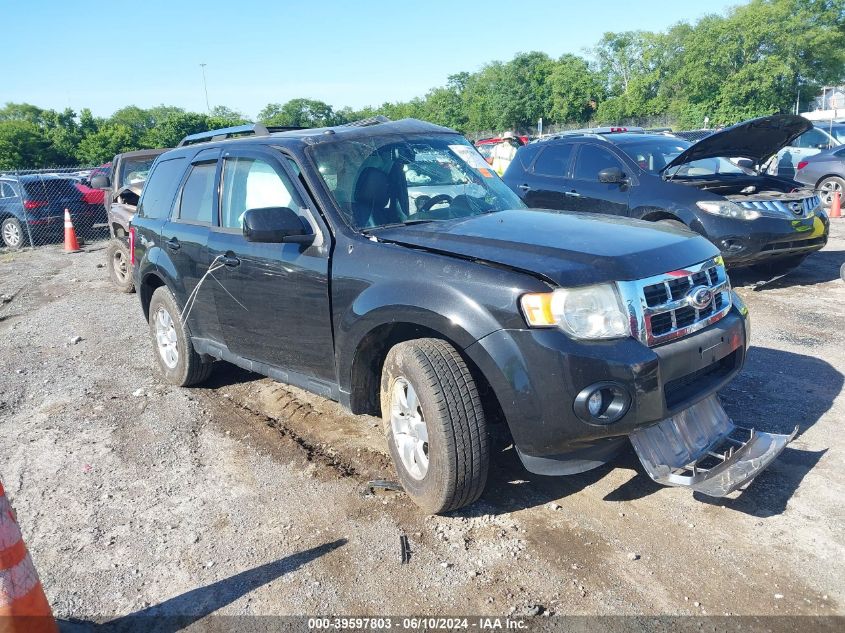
{"x":716,"y":187}
{"x":386,"y":266}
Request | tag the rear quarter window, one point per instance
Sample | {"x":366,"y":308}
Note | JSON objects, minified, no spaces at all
{"x":160,"y":188}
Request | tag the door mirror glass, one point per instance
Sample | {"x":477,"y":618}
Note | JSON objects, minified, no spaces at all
{"x":100,"y":182}
{"x":611,"y":175}
{"x":276,"y":225}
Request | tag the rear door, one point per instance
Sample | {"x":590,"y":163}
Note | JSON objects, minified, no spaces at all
{"x":584,"y":188}
{"x":185,"y":240}
{"x":272,"y":299}
{"x":545,"y":181}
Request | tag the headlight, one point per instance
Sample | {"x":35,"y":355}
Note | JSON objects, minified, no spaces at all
{"x":727,"y":209}
{"x":592,"y":312}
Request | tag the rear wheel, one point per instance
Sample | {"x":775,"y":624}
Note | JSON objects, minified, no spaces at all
{"x":779,"y":266}
{"x":435,"y":425}
{"x":827,"y":187}
{"x":117,"y":260}
{"x":178,"y":361}
{"x":13,"y":233}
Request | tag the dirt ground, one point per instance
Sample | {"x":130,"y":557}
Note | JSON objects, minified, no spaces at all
{"x":249,"y":497}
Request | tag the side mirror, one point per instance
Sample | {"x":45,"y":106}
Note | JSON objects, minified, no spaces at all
{"x":610,"y":175}
{"x":100,"y":182}
{"x":276,"y":225}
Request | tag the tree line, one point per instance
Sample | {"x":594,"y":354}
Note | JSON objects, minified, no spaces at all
{"x":760,"y":58}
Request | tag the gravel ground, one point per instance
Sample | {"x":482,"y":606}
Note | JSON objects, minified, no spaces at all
{"x":249,"y":497}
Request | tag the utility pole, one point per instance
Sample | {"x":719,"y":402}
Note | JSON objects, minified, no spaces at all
{"x":205,"y":87}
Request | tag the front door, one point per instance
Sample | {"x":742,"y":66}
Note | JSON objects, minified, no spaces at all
{"x":272,"y":299}
{"x":587,"y":192}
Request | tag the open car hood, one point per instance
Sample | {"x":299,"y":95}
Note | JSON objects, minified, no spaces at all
{"x":757,"y":139}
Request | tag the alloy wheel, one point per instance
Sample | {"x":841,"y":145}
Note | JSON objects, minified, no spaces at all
{"x":410,"y":433}
{"x":166,"y":338}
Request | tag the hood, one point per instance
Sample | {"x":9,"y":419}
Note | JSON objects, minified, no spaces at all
{"x":566,"y":248}
{"x":757,"y":139}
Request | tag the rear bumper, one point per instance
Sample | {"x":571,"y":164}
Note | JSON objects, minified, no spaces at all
{"x":537,"y":374}
{"x":745,"y":242}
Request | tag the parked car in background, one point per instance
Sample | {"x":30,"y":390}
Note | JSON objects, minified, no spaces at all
{"x":826,"y":172}
{"x":816,"y":139}
{"x":32,"y":209}
{"x":578,"y":332}
{"x":120,"y":186}
{"x":754,"y":219}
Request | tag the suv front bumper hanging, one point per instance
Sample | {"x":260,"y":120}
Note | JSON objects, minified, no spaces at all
{"x":701,"y":448}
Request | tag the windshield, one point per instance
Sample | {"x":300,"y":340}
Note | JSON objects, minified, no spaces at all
{"x":135,"y":170}
{"x":389,"y":180}
{"x":654,"y":155}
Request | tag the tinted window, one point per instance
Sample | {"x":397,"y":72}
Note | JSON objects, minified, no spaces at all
{"x":161,"y":188}
{"x":252,"y":184}
{"x":197,"y":200}
{"x":51,"y":188}
{"x":554,"y":160}
{"x":591,"y":160}
{"x":6,"y":190}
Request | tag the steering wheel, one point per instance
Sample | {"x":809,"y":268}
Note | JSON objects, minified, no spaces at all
{"x":425,"y":207}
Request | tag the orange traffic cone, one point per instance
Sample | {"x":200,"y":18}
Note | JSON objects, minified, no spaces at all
{"x":23,"y":605}
{"x":836,"y":206}
{"x":71,"y":243}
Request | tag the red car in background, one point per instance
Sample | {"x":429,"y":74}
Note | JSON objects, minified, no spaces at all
{"x":94,"y":196}
{"x":485,"y":146}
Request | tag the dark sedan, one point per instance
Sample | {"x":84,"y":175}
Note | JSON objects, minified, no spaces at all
{"x":825,"y":171}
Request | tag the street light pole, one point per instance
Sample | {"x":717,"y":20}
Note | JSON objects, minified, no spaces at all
{"x":205,"y":87}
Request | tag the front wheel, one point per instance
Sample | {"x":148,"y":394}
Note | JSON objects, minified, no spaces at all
{"x":178,"y":361}
{"x":117,"y":260}
{"x":435,"y":425}
{"x":779,"y":266}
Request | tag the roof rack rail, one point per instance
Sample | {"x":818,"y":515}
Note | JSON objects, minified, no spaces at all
{"x":373,"y":120}
{"x":223,"y":133}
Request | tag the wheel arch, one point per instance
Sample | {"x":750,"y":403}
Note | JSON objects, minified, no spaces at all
{"x":826,"y":176}
{"x":150,"y":282}
{"x":371,"y":351}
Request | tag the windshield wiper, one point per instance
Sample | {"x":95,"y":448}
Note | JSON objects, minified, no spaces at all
{"x":394,"y":225}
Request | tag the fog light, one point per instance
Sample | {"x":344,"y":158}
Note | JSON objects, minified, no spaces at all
{"x":602,"y":403}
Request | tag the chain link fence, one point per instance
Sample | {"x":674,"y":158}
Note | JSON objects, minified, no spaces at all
{"x":33,"y":204}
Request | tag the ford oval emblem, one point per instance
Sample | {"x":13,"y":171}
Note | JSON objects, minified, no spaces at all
{"x":700,"y":297}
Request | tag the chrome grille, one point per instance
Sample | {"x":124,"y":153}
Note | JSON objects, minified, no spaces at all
{"x":664,"y":307}
{"x":801,"y":208}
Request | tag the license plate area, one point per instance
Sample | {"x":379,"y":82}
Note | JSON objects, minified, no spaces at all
{"x":702,"y":449}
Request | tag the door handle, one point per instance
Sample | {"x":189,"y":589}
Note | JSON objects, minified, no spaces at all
{"x":525,"y":187}
{"x":173,"y":244}
{"x":572,"y":194}
{"x":230,"y":260}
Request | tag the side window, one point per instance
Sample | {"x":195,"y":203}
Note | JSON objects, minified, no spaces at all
{"x":250,"y":183}
{"x":813,"y":139}
{"x":554,"y":160}
{"x":6,"y":190}
{"x":591,"y":160}
{"x":160,"y":189}
{"x":197,"y":201}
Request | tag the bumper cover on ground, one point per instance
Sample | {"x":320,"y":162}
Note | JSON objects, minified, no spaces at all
{"x":701,"y":448}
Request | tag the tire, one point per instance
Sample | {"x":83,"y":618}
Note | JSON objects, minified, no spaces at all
{"x":779,"y":266}
{"x":826,"y":188}
{"x":117,"y":261}
{"x":189,"y":367}
{"x":13,"y":234}
{"x":448,"y":470}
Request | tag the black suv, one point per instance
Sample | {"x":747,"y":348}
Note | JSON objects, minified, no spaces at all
{"x":754,"y":219}
{"x":384,"y":265}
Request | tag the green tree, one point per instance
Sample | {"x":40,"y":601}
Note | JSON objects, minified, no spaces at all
{"x":174,"y":127}
{"x":298,"y":113}
{"x":23,"y":145}
{"x":102,"y":145}
{"x":575,"y":90}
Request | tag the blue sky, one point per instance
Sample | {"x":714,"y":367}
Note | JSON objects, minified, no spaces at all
{"x":61,"y":54}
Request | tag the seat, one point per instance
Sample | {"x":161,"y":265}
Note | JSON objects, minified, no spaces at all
{"x":371,"y":195}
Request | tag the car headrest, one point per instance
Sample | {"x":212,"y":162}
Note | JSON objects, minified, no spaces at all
{"x":372,"y":188}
